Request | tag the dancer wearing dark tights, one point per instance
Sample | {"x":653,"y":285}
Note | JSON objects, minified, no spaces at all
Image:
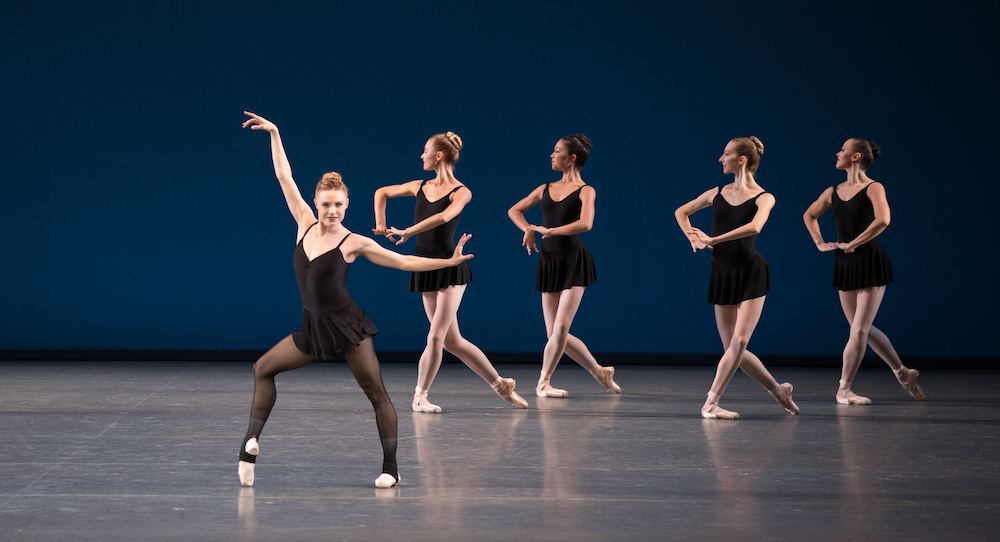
{"x":331,"y":322}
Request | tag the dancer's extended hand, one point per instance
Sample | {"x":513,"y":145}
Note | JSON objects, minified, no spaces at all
{"x":826,"y":247}
{"x":846,"y":247}
{"x":458,"y":257}
{"x":257,"y":122}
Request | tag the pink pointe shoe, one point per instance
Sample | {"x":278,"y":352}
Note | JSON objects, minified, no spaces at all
{"x":783,"y":394}
{"x":245,"y":467}
{"x":421,"y":404}
{"x":908,"y":379}
{"x":847,"y":397}
{"x":606,"y":376}
{"x":713,"y":411}
{"x":385,"y":480}
{"x":505,"y":388}
{"x":544,"y":389}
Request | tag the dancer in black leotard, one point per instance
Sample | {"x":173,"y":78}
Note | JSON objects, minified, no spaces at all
{"x":565,"y":267}
{"x":861,"y":268}
{"x":440,"y":202}
{"x":331,"y":322}
{"x":740,"y":277}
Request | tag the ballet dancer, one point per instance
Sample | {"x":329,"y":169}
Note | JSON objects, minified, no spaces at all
{"x":439,"y":206}
{"x":565,"y":266}
{"x":740,"y":277}
{"x":331,"y":322}
{"x":861,"y":268}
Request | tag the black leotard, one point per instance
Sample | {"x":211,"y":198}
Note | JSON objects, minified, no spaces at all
{"x":739,"y":272}
{"x":330,"y":319}
{"x":868,"y":265}
{"x":563,"y":261}
{"x":437,"y":242}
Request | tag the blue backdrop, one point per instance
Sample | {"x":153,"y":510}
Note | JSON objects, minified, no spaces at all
{"x":137,"y":214}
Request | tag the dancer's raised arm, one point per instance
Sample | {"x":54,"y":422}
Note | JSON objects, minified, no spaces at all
{"x":300,"y":210}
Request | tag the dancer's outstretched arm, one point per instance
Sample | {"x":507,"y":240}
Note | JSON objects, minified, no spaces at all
{"x":300,"y":210}
{"x":360,"y":245}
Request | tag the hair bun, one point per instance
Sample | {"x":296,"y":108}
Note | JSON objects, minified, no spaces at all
{"x":757,"y":143}
{"x":584,"y":140}
{"x":332,"y":177}
{"x":453,"y":138}
{"x":876,"y":149}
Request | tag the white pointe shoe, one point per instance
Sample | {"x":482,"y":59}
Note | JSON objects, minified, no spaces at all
{"x":246,"y":473}
{"x":251,"y":447}
{"x":421,"y":404}
{"x":385,"y":480}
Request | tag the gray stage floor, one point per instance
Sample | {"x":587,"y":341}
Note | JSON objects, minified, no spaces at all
{"x":148,"y":451}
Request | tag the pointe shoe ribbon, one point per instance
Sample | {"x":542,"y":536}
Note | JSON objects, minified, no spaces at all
{"x":606,"y":376}
{"x":421,"y":404}
{"x":505,"y":388}
{"x":783,"y":394}
{"x":386,"y":480}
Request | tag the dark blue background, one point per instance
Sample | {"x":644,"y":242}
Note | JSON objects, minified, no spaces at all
{"x":137,"y":214}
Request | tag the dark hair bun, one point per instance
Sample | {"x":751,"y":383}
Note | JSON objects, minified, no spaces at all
{"x":758,"y":144}
{"x":876,"y":149}
{"x":584,"y":140}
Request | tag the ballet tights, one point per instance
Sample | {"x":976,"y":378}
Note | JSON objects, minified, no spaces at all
{"x":285,"y":356}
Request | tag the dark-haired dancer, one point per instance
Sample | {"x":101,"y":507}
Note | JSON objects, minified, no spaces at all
{"x":740,"y":276}
{"x":439,"y":206}
{"x":331,"y":322}
{"x":861,"y":268}
{"x":565,"y":266}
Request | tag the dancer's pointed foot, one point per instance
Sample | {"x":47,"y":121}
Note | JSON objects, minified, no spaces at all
{"x":505,"y":388}
{"x":606,"y":376}
{"x":847,"y":397}
{"x":712,"y":410}
{"x":246,"y":473}
{"x":252,"y":447}
{"x":908,"y":379}
{"x":421,"y":404}
{"x":783,"y":394}
{"x":544,"y":389}
{"x":385,"y":480}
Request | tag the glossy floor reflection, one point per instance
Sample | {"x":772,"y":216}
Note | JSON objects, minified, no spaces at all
{"x":147,"y":451}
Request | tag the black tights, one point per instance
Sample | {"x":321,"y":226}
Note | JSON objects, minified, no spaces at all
{"x":285,"y":356}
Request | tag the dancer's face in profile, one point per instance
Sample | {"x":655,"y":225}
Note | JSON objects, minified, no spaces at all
{"x":430,"y":156}
{"x":846,"y":155}
{"x":331,"y":206}
{"x":730,"y":159}
{"x":562,"y":160}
